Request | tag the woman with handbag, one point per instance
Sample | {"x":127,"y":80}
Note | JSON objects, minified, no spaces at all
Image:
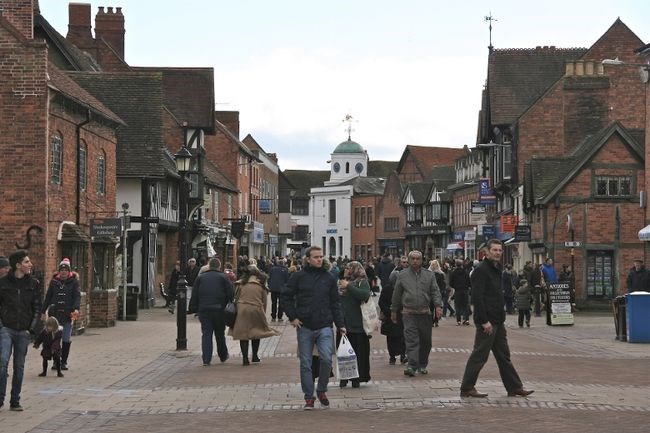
{"x":251,"y":295}
{"x":355,"y":289}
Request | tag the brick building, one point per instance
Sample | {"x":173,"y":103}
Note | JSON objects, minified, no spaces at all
{"x":564,"y":134}
{"x":61,"y":172}
{"x":265,"y":204}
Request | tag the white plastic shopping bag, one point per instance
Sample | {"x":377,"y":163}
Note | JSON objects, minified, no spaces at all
{"x":370,"y":315}
{"x":346,"y":361}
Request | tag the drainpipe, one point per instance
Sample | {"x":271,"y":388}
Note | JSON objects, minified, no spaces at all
{"x":78,"y":192}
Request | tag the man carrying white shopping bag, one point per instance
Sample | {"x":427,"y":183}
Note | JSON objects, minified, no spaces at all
{"x":311,"y":302}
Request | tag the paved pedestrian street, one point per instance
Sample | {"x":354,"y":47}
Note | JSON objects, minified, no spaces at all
{"x":130,"y":378}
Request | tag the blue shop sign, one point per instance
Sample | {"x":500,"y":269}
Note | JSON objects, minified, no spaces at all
{"x":489,"y":231}
{"x":459,"y":236}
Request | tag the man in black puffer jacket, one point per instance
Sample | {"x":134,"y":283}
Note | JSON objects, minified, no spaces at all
{"x":311,"y":302}
{"x":20,"y":306}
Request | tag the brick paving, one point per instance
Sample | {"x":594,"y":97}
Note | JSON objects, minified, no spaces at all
{"x":129,"y":378}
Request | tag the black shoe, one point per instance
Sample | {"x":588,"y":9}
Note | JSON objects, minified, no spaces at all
{"x":59,"y":374}
{"x":64,"y":366}
{"x":16,"y":407}
{"x":225,"y":359}
{"x":391,"y":361}
{"x":43,"y":374}
{"x":245,"y":361}
{"x":255,"y":359}
{"x":403,"y":359}
{"x":355,"y":384}
{"x":343,"y":384}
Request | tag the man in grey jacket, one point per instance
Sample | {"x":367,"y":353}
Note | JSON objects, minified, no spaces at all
{"x":416,"y":292}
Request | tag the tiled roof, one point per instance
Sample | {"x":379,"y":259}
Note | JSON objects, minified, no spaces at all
{"x":518,"y":77}
{"x":381,"y":168}
{"x":64,"y":54}
{"x":214,"y":176}
{"x":419,"y":191}
{"x":137,"y":97}
{"x":427,"y":157}
{"x":71,"y":90}
{"x":367,"y":185}
{"x":188,"y":94}
{"x":305,"y":180}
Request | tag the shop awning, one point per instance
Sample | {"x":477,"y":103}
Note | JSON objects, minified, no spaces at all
{"x":456,"y":246}
{"x":644,"y":233}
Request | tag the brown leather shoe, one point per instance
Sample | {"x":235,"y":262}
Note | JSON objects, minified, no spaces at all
{"x":472,"y":393}
{"x":520,"y":391}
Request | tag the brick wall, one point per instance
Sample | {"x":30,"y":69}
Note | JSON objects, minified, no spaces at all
{"x":23,"y":116}
{"x":365,"y":234}
{"x":388,"y":206}
{"x":103,"y":303}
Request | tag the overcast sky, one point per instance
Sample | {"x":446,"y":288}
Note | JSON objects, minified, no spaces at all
{"x":409,"y":71}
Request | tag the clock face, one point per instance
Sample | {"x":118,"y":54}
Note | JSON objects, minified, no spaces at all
{"x":358,"y":167}
{"x":337,"y":167}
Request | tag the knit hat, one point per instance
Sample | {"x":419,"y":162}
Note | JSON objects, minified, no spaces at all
{"x":4,"y":262}
{"x":65,"y":263}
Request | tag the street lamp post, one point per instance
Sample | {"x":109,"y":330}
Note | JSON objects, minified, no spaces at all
{"x":182,"y":157}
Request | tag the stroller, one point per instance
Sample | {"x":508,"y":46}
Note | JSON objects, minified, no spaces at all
{"x":170,"y":298}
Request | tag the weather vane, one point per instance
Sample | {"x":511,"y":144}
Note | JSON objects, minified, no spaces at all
{"x":349,"y":119}
{"x":489,"y":19}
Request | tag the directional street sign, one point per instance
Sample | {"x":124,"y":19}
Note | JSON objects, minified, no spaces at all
{"x":572,"y":244}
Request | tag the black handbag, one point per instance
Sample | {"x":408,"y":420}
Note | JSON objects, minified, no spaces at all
{"x":230,"y":314}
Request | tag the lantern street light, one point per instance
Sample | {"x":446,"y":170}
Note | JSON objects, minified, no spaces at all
{"x":183,"y":158}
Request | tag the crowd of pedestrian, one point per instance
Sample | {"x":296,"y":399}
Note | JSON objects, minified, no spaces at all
{"x":315,"y":294}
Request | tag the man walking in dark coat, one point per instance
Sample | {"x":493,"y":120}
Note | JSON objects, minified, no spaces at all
{"x":278,"y":278}
{"x":459,"y":282}
{"x":489,"y":318}
{"x":311,"y":302}
{"x":212,"y":291}
{"x":384,"y":268}
{"x":20,"y":306}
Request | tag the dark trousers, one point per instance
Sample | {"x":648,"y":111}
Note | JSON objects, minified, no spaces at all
{"x":522,"y":314}
{"x":446,"y":307}
{"x":276,"y":307}
{"x":461,"y":300}
{"x":212,"y":324}
{"x":396,"y":346}
{"x":497,"y":342}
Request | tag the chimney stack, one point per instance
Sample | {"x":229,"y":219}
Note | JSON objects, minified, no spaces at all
{"x":20,"y":13}
{"x":109,"y":25}
{"x":229,"y":119}
{"x":79,"y":25}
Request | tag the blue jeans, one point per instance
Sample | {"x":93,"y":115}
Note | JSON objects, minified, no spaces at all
{"x":212,"y":324}
{"x":19,"y":342}
{"x":324,"y":340}
{"x":67,"y":332}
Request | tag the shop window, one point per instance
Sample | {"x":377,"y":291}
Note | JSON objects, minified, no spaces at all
{"x":600,"y":274}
